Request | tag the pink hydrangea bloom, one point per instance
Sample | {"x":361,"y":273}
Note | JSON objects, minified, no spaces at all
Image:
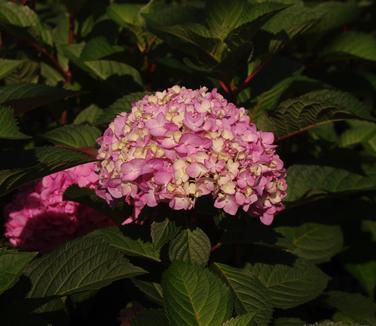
{"x":39,"y":218}
{"x":180,"y":144}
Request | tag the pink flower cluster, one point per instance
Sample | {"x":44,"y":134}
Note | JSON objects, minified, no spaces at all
{"x":38,"y":217}
{"x":181,"y":144}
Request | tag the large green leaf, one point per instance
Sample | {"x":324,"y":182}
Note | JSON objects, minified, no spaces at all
{"x":100,"y":68}
{"x":224,"y":16}
{"x":104,"y":69}
{"x":354,"y":45}
{"x":123,"y":104}
{"x":98,"y":48}
{"x":315,"y":242}
{"x":190,"y":246}
{"x":163,"y":232}
{"x":8,"y":125}
{"x":21,"y":16}
{"x":21,"y":167}
{"x":125,"y":13}
{"x":88,"y":115}
{"x":249,"y":293}
{"x":132,"y":247}
{"x":360,"y":132}
{"x":335,"y":14}
{"x":24,"y":97}
{"x":12,"y":264}
{"x":129,"y":15}
{"x":290,"y":286}
{"x":369,"y":226}
{"x":151,"y":289}
{"x":312,"y":182}
{"x":19,"y":19}
{"x":75,"y":136}
{"x":195,"y":296}
{"x":84,"y":264}
{"x":354,"y":306}
{"x":365,"y":273}
{"x":299,"y":114}
{"x":288,"y":24}
{"x":7,"y":66}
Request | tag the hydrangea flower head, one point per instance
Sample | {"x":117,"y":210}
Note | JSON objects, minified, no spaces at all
{"x":181,"y":144}
{"x":38,"y":217}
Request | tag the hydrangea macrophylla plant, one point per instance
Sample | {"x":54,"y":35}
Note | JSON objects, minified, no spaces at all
{"x":181,"y":144}
{"x":38,"y":217}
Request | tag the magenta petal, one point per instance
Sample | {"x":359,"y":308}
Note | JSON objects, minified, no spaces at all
{"x":132,"y":170}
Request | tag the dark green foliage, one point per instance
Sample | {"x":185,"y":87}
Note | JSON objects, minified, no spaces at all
{"x":305,"y":70}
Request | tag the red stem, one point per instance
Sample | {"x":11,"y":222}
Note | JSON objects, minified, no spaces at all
{"x":66,"y":74}
{"x":224,"y":86}
{"x":216,"y":246}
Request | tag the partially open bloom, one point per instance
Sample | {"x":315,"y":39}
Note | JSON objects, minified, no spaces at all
{"x":38,"y":217}
{"x":181,"y":144}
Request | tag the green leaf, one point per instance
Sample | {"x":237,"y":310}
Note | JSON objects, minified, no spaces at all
{"x":7,"y":66}
{"x":249,"y":293}
{"x":163,"y":232}
{"x":104,"y":69}
{"x":25,"y":97}
{"x":352,"y":45}
{"x":365,"y":273}
{"x":152,"y":290}
{"x":190,"y":246}
{"x":302,"y":113}
{"x":8,"y":125}
{"x":241,"y":320}
{"x":84,"y":264}
{"x":24,"y":166}
{"x":313,"y":182}
{"x":75,"y":136}
{"x":19,"y":18}
{"x":88,"y":115}
{"x":354,"y":306}
{"x":195,"y":296}
{"x":314,"y":242}
{"x":360,"y":132}
{"x":125,"y":14}
{"x":115,"y":238}
{"x":123,"y":104}
{"x":129,"y":15}
{"x":224,"y":16}
{"x":154,"y":317}
{"x":335,"y":14}
{"x":194,"y":39}
{"x":369,"y":226}
{"x":89,"y":198}
{"x":290,"y":286}
{"x":98,"y":48}
{"x":52,"y":76}
{"x":288,"y":24}
{"x":270,"y":99}
{"x":12,"y":264}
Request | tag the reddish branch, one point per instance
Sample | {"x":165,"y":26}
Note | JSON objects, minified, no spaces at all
{"x":224,"y":86}
{"x":71,"y":35}
{"x":216,"y":246}
{"x":53,"y":59}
